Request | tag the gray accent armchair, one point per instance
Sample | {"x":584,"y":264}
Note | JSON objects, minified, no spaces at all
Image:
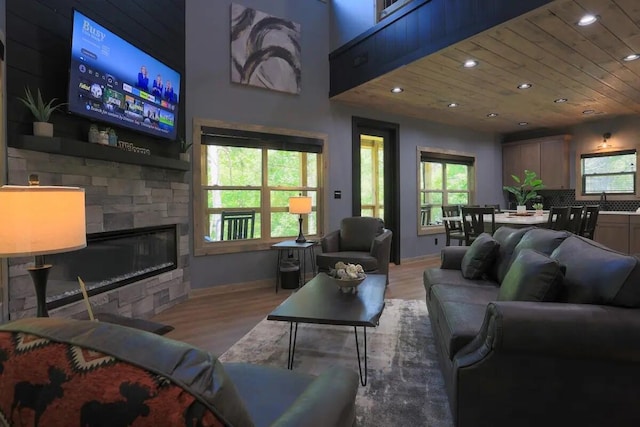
{"x":360,"y":240}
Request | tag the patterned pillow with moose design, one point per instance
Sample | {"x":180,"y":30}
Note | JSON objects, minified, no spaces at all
{"x":47,"y":383}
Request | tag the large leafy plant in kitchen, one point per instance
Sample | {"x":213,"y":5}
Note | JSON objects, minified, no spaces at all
{"x":527,"y":187}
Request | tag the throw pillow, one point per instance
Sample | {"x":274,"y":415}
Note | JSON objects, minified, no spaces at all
{"x":479,"y":257}
{"x":532,"y":276}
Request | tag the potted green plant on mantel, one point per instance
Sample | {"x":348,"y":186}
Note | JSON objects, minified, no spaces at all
{"x":526,"y":189}
{"x":184,"y":149}
{"x":41,"y":111}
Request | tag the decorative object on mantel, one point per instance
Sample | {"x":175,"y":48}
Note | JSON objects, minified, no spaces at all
{"x":265,"y":50}
{"x":104,"y":137}
{"x":525,"y":190}
{"x":41,"y":220}
{"x":127,"y":146}
{"x":94,"y":134}
{"x":41,"y":112}
{"x":113,"y":137}
{"x":184,"y":149}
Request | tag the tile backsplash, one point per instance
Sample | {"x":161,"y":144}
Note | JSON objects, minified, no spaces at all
{"x":568,"y":198}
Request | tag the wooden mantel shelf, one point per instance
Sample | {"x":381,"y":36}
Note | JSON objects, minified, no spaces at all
{"x":87,"y":150}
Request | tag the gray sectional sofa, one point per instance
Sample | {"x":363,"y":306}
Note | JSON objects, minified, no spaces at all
{"x":561,"y":348}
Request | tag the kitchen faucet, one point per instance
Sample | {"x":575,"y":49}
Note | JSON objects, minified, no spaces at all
{"x":603,"y":201}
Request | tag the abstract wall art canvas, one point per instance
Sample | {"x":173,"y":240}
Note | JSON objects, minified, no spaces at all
{"x":265,"y":50}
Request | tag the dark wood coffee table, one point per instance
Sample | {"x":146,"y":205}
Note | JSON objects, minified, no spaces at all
{"x":321,"y":302}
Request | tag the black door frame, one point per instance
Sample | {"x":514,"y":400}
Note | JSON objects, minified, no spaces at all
{"x":391,"y":134}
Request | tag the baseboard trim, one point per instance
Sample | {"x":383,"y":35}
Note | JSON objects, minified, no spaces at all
{"x":233,"y":287}
{"x":422,"y":258}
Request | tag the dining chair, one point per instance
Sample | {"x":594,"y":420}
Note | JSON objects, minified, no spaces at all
{"x":558,"y":217}
{"x":574,"y":222}
{"x":425,"y":215}
{"x":474,"y":222}
{"x":589,"y":221}
{"x":496,"y":207}
{"x":453,"y":229}
{"x":237,"y":225}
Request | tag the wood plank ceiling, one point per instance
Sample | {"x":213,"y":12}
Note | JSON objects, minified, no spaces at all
{"x":545,"y":47}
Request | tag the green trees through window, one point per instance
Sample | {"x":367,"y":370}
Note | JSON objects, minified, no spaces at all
{"x":612,"y":173}
{"x":262,"y":180}
{"x":444,"y":178}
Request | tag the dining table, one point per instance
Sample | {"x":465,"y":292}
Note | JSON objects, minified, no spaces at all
{"x":512,"y":219}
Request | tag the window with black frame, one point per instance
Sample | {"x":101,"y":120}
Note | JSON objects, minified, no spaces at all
{"x":444,"y":179}
{"x":613,"y":172}
{"x":253,"y":174}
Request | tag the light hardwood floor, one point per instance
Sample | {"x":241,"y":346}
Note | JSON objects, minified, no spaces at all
{"x":215,"y":322}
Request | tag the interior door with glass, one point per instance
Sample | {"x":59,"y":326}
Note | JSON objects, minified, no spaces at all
{"x":375,"y":175}
{"x":371,"y":176}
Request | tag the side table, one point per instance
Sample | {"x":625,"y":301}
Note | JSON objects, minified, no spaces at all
{"x":301,"y":251}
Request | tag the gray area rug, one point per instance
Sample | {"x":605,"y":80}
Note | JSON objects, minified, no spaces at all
{"x":405,"y":386}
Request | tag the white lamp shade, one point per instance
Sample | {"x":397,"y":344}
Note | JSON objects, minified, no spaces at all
{"x":300,"y":205}
{"x":37,"y":220}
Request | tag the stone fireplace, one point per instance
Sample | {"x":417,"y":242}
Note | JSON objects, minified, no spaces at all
{"x":137,"y":255}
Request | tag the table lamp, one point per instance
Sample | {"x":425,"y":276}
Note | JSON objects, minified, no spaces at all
{"x":300,"y":205}
{"x":38,"y":220}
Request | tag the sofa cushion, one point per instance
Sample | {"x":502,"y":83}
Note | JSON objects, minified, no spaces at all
{"x":542,"y":240}
{"x":532,"y":276}
{"x":458,"y":313}
{"x":507,"y":238}
{"x":597,"y":275}
{"x":439,"y":276}
{"x":480,"y":256}
{"x":357,"y":233}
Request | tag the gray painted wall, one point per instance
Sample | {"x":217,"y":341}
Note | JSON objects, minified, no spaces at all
{"x":350,"y":18}
{"x":625,"y":133}
{"x":211,"y":95}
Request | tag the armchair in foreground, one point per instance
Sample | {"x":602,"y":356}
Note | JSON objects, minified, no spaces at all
{"x":360,"y":240}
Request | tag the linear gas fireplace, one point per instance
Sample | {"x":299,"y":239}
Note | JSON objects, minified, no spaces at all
{"x":110,"y":260}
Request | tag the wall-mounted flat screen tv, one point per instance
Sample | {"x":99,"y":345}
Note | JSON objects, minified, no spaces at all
{"x":113,"y":81}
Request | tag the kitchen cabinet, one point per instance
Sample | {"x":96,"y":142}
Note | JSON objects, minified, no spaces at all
{"x":634,"y":235}
{"x":554,"y":163}
{"x":612,"y":231}
{"x":548,"y":157}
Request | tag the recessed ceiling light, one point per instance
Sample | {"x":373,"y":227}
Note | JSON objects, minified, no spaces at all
{"x":523,"y":123}
{"x":587,"y":20}
{"x":452,"y":105}
{"x":560,"y":100}
{"x":491,"y":115}
{"x":397,"y":90}
{"x":524,"y":86}
{"x":631,"y":57}
{"x":588,"y":111}
{"x":470,"y":63}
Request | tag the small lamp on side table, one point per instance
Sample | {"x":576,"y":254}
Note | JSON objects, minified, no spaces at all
{"x":300,"y":205}
{"x":37,"y":221}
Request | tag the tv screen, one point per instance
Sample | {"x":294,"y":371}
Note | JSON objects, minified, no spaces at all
{"x":115,"y":82}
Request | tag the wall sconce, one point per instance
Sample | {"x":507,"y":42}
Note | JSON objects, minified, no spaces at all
{"x":604,"y":143}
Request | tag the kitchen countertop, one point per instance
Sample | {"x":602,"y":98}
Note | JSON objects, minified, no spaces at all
{"x":618,"y":213}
